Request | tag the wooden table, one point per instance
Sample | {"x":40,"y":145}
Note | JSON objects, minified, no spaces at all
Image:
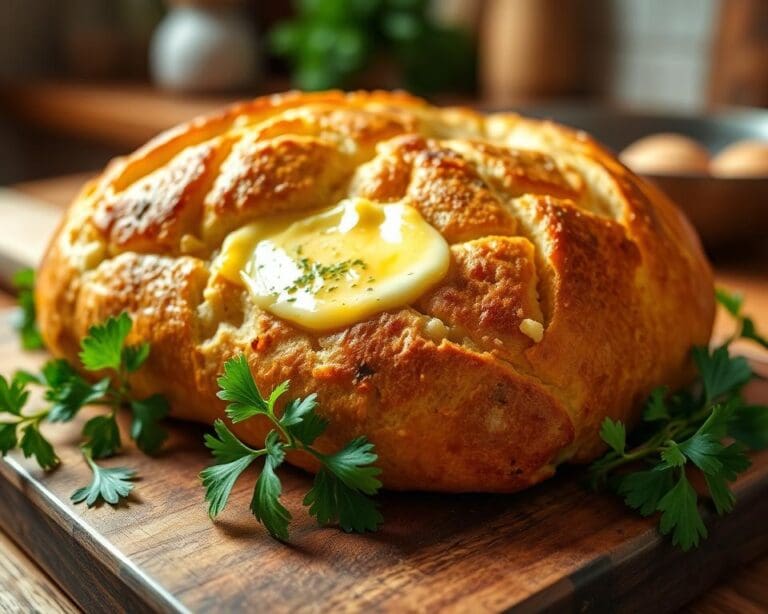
{"x":24,"y":587}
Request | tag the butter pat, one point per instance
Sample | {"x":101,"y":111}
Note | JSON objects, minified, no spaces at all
{"x":339,"y":266}
{"x":532,"y":329}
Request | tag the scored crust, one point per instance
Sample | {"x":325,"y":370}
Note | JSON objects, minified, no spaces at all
{"x":543,"y":224}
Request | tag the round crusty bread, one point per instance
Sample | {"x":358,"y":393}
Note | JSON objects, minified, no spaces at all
{"x":543,"y":224}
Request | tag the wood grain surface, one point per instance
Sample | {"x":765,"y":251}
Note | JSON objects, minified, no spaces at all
{"x":24,"y":587}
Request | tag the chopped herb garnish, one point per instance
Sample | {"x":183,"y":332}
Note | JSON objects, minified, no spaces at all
{"x":314,"y":272}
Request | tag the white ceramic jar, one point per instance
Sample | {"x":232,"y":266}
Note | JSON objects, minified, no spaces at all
{"x":205,"y":48}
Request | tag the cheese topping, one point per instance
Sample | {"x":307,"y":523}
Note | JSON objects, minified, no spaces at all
{"x":339,"y":266}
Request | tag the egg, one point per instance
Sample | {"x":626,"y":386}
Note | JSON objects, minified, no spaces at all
{"x":337,"y":266}
{"x":748,"y":158}
{"x":666,"y":153}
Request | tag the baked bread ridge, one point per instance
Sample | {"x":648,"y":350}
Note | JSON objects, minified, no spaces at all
{"x":544,"y":225}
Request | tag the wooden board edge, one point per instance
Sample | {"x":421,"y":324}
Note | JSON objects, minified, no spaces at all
{"x":638,"y":576}
{"x":66,"y":549}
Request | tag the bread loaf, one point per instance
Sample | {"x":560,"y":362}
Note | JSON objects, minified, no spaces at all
{"x":562,"y":287}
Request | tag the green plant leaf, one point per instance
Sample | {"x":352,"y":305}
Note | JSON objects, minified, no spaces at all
{"x":134,"y":356}
{"x":721,"y":373}
{"x":108,"y":484}
{"x":642,"y":490}
{"x":102,"y":436}
{"x":226,"y":448}
{"x":614,"y":434}
{"x":680,"y":515}
{"x":34,"y":444}
{"x":102,"y":348}
{"x":265,"y":504}
{"x":330,"y":499}
{"x":146,"y":429}
{"x":218,"y":481}
{"x":237,"y":387}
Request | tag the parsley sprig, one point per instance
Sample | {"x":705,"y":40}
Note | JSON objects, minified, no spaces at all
{"x":24,"y":283}
{"x":66,"y":392}
{"x":342,"y":487}
{"x":22,"y":429}
{"x":709,"y":427}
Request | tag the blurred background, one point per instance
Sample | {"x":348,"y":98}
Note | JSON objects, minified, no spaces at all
{"x":110,"y":73}
{"x":84,"y":80}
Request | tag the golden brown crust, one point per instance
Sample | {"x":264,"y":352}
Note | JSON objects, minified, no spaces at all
{"x":544,"y":226}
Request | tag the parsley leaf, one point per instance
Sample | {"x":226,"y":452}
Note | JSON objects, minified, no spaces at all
{"x":340,"y":488}
{"x":748,"y":331}
{"x":102,"y":436}
{"x":102,"y":348}
{"x":722,"y":496}
{"x":642,"y":490}
{"x":749,"y":425}
{"x":332,"y":500}
{"x":656,"y":408}
{"x":237,"y":386}
{"x":734,"y":460}
{"x":134,"y":356}
{"x":680,"y":515}
{"x":13,"y":398}
{"x":731,"y":301}
{"x":720,"y":372}
{"x":72,"y":396}
{"x":108,"y":484}
{"x":24,"y":283}
{"x":8,"y":440}
{"x":227,"y":447}
{"x":34,"y":444}
{"x":13,"y":395}
{"x":614,"y":434}
{"x":297,"y":409}
{"x":265,"y":505}
{"x":145,"y":426}
{"x":312,"y":425}
{"x":218,"y":481}
{"x":673,"y":455}
{"x":703,"y":450}
{"x":351,"y":466}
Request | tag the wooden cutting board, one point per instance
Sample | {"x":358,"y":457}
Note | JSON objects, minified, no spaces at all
{"x":555,"y":547}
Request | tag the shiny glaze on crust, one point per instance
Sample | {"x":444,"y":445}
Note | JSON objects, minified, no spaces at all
{"x":543,"y":223}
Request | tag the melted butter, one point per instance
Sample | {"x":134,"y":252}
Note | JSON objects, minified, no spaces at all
{"x":339,"y":266}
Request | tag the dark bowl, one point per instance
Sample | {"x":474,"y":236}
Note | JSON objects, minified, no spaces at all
{"x":723,"y":210}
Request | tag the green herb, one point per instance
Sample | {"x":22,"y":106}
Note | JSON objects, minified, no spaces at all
{"x":103,"y":350}
{"x":341,"y":488}
{"x":329,"y":42}
{"x":111,"y":485}
{"x":733,"y":303}
{"x":312,"y":272}
{"x":22,"y":429}
{"x":24,"y":283}
{"x":687,"y":430}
